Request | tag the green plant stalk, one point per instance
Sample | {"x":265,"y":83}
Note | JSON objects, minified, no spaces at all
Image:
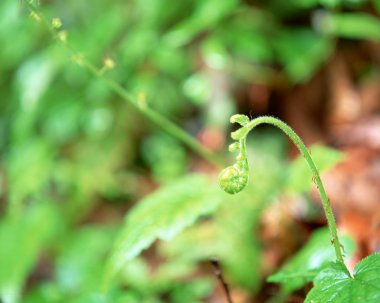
{"x":305,"y":153}
{"x":139,"y":105}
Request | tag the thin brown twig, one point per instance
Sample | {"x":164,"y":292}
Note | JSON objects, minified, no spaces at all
{"x":218,"y":273}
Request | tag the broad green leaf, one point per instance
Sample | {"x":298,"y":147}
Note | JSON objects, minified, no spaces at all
{"x":309,"y":261}
{"x":335,"y":284}
{"x":229,"y":237}
{"x":300,"y":176}
{"x":162,"y":215}
{"x":351,"y":25}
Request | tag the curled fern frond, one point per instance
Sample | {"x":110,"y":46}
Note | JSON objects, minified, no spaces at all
{"x":234,"y":179}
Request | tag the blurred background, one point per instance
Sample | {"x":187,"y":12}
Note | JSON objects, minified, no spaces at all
{"x":75,"y":158}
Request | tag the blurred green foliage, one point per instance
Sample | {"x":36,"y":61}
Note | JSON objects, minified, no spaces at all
{"x":307,"y":263}
{"x":74,"y":157}
{"x":300,"y":176}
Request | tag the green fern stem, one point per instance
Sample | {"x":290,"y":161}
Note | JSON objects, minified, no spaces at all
{"x":227,"y":184}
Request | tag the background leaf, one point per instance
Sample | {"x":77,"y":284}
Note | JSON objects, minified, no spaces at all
{"x":300,"y":176}
{"x":75,"y":158}
{"x":310,"y":260}
{"x":349,"y":25}
{"x":162,"y":215}
{"x":302,"y":52}
{"x":23,"y":238}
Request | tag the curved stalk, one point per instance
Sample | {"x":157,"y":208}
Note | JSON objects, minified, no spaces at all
{"x":139,"y":105}
{"x":241,"y":134}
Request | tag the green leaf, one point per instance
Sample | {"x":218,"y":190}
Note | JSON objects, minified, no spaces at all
{"x":246,"y":35}
{"x":79,"y":264}
{"x":162,"y":215}
{"x":335,"y":285}
{"x":155,"y":151}
{"x":314,"y":3}
{"x":300,"y":176}
{"x":29,"y":165}
{"x":376,"y":4}
{"x":206,"y":15}
{"x":330,"y":3}
{"x":198,"y":88}
{"x":23,"y":237}
{"x":309,"y":261}
{"x":351,"y":25}
{"x":301,"y":52}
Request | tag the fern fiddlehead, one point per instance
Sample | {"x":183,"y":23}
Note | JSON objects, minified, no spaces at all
{"x":234,"y":178}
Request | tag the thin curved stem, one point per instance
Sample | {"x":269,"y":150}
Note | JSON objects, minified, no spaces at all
{"x":140,"y":106}
{"x":305,"y":153}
